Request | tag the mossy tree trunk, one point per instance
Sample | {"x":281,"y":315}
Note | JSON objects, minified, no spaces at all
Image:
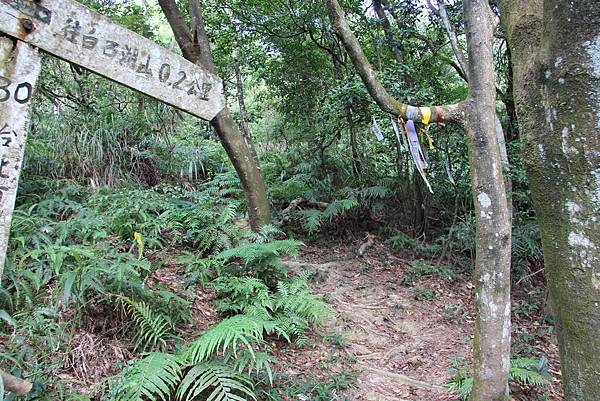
{"x":555,"y":49}
{"x":195,"y":47}
{"x":478,"y":115}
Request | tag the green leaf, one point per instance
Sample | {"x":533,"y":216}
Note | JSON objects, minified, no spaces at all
{"x":216,"y":381}
{"x":228,"y":335}
{"x":69,"y":280}
{"x":7,"y":318}
{"x":154,"y":377}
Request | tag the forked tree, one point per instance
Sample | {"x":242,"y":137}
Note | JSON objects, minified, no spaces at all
{"x":477,"y":115}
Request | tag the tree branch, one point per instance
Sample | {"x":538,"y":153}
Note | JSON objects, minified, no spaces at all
{"x":460,"y":56}
{"x":183,"y":36}
{"x":387,"y":30}
{"x":449,"y":113}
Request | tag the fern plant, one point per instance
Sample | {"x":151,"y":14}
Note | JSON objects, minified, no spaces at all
{"x":205,"y":368}
{"x":152,"y":378}
{"x":296,"y":308}
{"x":530,"y":371}
{"x":228,"y":335}
{"x":222,"y":383}
{"x":262,"y":259}
{"x":152,"y":329}
{"x":242,"y":292}
{"x":293,"y":307}
{"x":527,"y":371}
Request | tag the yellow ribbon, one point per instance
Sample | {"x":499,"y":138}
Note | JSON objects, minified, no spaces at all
{"x":426,"y":113}
{"x":425,"y":134}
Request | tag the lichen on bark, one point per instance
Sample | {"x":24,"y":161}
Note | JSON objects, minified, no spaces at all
{"x":556,"y":64}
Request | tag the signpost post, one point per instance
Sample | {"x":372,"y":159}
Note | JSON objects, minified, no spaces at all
{"x":75,"y":33}
{"x":20,"y":66}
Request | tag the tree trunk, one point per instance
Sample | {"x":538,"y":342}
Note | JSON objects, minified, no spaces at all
{"x":195,"y":47}
{"x":356,"y":162}
{"x":418,"y":206}
{"x":239,"y":83}
{"x":458,"y":52}
{"x":491,"y":344}
{"x":556,"y":65}
{"x":247,"y":168}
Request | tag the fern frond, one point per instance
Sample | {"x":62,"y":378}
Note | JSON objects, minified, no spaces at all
{"x":153,"y":328}
{"x":312,"y":219}
{"x":242,"y":292}
{"x":376,"y":192}
{"x":252,"y":253}
{"x":340,"y":206}
{"x":266,"y":233}
{"x":294,"y":296}
{"x":530,"y":371}
{"x":527,"y":376}
{"x":260,"y":361}
{"x":228,"y":335}
{"x":461,"y":384}
{"x":152,"y":378}
{"x":217,"y":382}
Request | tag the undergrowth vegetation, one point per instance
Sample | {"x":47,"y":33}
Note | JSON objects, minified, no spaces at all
{"x":89,"y":260}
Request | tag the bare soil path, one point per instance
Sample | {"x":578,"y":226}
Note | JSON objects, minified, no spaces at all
{"x":399,"y":346}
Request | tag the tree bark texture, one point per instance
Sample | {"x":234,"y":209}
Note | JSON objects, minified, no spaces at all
{"x":478,"y":115}
{"x":555,"y":48}
{"x":195,"y":47}
{"x":491,"y":344}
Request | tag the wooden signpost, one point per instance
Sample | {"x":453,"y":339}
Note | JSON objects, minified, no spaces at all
{"x":20,"y":65}
{"x":73,"y":32}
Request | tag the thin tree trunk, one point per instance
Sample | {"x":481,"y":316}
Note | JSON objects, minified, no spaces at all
{"x":460,"y":55}
{"x":555,"y":48}
{"x":464,"y":73}
{"x":356,"y":162}
{"x":239,"y":83}
{"x":195,"y":47}
{"x":418,"y":207}
{"x":491,"y":344}
{"x":247,"y":168}
{"x":387,"y":30}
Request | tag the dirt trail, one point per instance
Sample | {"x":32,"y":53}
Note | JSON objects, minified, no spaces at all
{"x":400,"y":347}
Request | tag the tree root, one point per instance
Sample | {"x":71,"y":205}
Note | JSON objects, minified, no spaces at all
{"x":14,"y":384}
{"x":402,"y":379}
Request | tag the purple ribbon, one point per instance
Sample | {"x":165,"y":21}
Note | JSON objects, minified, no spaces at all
{"x":416,"y":151}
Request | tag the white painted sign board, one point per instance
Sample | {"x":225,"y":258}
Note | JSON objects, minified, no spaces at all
{"x":75,"y":33}
{"x":19,"y":70}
